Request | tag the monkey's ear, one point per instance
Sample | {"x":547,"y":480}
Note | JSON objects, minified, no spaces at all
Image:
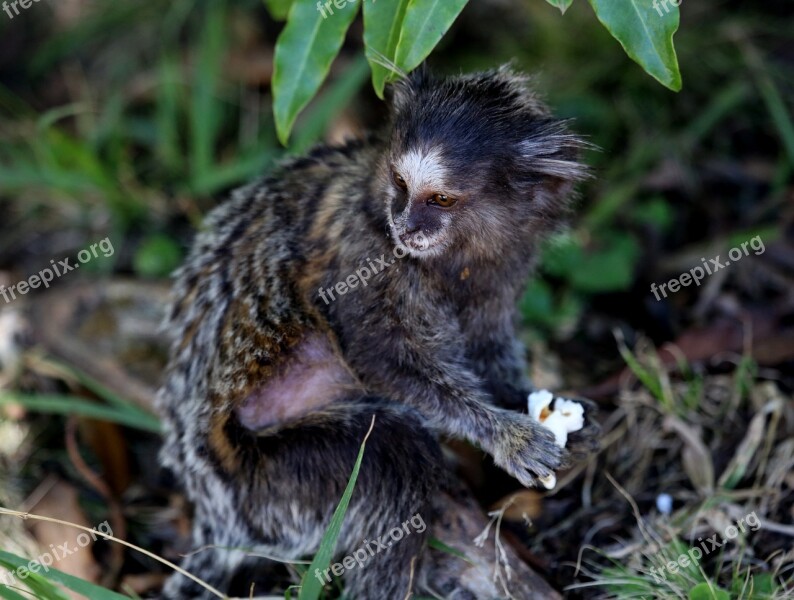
{"x":405,"y":90}
{"x":550,"y":149}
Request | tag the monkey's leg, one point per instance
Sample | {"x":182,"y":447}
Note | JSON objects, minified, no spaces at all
{"x":298,"y":473}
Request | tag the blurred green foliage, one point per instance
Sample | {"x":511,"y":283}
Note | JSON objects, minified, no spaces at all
{"x":156,"y":129}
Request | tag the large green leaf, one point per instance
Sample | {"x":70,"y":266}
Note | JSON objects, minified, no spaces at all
{"x":382,"y":26}
{"x":329,"y":105}
{"x":425,"y":23}
{"x":563,"y":5}
{"x":645,"y":29}
{"x":304,"y":52}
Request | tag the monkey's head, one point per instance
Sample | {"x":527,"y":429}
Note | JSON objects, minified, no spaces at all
{"x":475,"y":164}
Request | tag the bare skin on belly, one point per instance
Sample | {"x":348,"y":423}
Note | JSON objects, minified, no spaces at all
{"x":312,"y":376}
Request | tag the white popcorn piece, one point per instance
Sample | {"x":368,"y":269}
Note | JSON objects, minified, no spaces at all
{"x":539,"y":404}
{"x":566,"y":416}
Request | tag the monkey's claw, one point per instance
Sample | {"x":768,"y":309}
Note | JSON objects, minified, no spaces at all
{"x":528,"y":451}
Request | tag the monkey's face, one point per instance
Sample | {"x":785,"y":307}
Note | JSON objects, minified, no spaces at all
{"x":440,"y":202}
{"x":423,"y":202}
{"x":475,"y":165}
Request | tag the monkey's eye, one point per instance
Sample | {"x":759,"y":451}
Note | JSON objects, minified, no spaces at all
{"x":443,"y":200}
{"x":399,"y":181}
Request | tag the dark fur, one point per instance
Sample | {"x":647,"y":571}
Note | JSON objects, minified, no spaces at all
{"x":427,"y":346}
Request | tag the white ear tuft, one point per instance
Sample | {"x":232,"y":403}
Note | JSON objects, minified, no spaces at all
{"x":554,"y":151}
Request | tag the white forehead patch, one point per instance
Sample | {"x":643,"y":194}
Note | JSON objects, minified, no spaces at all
{"x":422,"y":170}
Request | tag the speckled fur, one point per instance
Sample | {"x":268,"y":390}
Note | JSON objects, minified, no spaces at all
{"x":427,"y":346}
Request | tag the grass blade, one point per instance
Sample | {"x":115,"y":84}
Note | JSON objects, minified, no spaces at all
{"x":205,"y":108}
{"x":69,"y":405}
{"x":311,"y":586}
{"x":87,"y":589}
{"x":437,"y":544}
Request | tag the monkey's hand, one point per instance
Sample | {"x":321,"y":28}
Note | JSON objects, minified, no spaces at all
{"x":526,"y":449}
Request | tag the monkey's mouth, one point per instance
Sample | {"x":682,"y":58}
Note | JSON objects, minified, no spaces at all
{"x":415,"y":241}
{"x":418,"y":244}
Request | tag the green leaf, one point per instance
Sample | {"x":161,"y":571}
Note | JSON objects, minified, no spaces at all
{"x":157,"y":256}
{"x":705,"y":591}
{"x":609,"y":267}
{"x":656,"y":212}
{"x":69,"y":405}
{"x":539,"y":307}
{"x":278,"y":9}
{"x":763,"y":585}
{"x":425,"y":23}
{"x":563,"y":5}
{"x":99,"y":389}
{"x":645,"y":29}
{"x":304,"y":52}
{"x":85,"y":588}
{"x":328,"y":105}
{"x":382,"y":25}
{"x":562,"y":255}
{"x":310,"y":585}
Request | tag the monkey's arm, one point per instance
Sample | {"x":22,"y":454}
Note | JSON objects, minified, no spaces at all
{"x":499,"y":358}
{"x":492,"y":346}
{"x":419,"y":359}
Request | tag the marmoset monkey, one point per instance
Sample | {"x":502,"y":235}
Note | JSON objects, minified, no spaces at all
{"x":290,"y":332}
